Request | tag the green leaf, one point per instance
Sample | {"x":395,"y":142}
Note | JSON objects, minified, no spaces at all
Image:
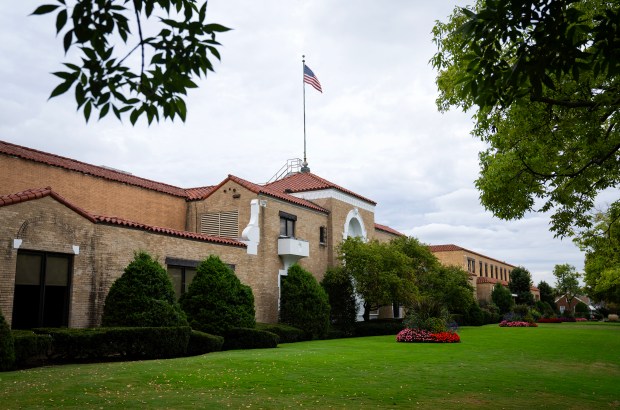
{"x":133,"y":117}
{"x":61,"y":88}
{"x":61,"y":20}
{"x":87,"y":109}
{"x":44,"y":9}
{"x":66,"y":41}
{"x":209,"y":28}
{"x":104,"y":110}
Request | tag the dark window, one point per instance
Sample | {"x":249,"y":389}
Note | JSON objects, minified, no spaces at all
{"x":42,"y":283}
{"x":480,"y":268}
{"x":486,"y":270}
{"x":287,"y":224}
{"x":322,"y":235}
{"x":181,"y":277}
{"x":471,"y":265}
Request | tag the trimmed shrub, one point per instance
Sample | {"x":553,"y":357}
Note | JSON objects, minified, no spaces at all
{"x":521,"y":310}
{"x":31,"y":349}
{"x":341,"y":296}
{"x":7,"y":347}
{"x":304,"y":303}
{"x":216,"y":300}
{"x":582,"y":310}
{"x":378,"y":327}
{"x":473,"y":316}
{"x":244,"y":338}
{"x":142,"y":297}
{"x":286,"y":333}
{"x":129,"y":342}
{"x":201,"y":343}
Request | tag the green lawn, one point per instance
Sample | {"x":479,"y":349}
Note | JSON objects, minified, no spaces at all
{"x":567,"y":366}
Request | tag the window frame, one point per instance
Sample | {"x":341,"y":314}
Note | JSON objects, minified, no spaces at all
{"x":287,"y":224}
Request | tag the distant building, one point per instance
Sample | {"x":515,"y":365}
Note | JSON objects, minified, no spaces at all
{"x":484,"y":271}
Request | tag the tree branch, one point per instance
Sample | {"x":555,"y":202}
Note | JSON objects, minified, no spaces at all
{"x":141,"y":44}
{"x":564,"y":103}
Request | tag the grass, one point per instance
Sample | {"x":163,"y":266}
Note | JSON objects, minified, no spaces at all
{"x":567,"y":366}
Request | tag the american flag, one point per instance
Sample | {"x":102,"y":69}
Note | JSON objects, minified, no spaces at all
{"x":311,"y":79}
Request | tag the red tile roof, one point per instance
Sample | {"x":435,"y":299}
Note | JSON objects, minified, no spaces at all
{"x":37,"y":193}
{"x":484,"y":279}
{"x":307,"y":181}
{"x":94,"y":170}
{"x":454,"y":248}
{"x":199,"y":193}
{"x":388,"y":230}
{"x":267,"y":190}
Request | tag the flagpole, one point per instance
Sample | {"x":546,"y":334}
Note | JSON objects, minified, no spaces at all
{"x":304,"y":165}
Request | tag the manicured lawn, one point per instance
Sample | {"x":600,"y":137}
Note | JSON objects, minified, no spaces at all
{"x":567,"y":366}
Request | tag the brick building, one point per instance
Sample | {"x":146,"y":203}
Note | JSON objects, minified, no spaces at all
{"x":484,"y":271}
{"x":69,"y":229}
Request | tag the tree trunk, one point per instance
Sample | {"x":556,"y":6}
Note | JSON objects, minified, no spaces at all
{"x":366,"y":314}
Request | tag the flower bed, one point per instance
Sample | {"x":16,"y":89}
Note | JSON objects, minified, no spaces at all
{"x":581,"y":319}
{"x":505,"y":323}
{"x":424,"y":336}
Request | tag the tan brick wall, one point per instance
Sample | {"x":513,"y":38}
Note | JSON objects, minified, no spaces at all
{"x":105,"y":250}
{"x":96,"y":195}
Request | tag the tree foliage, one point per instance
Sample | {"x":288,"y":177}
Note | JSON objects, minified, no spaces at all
{"x":566,"y":281}
{"x":303,"y":302}
{"x":341,"y":296}
{"x":521,"y":283}
{"x":502,"y":298}
{"x":142,"y":297}
{"x":111,"y":77}
{"x":216,"y":300}
{"x":602,"y":246}
{"x":7,"y":346}
{"x":544,"y":79}
{"x":382,"y":274}
{"x":547,"y":293}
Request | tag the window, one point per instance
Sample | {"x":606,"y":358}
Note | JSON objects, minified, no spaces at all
{"x":222,"y":223}
{"x":182,"y":273}
{"x":323,"y":235}
{"x":486,"y":270}
{"x":471,"y":265}
{"x":481,"y":268}
{"x":287,"y":224}
{"x":42,"y":283}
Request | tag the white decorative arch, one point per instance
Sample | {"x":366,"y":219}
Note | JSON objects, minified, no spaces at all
{"x":354,"y":225}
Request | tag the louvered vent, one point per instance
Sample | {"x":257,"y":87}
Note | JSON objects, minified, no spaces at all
{"x":225,"y":223}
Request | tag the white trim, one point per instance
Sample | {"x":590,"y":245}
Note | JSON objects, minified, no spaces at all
{"x":17,"y":243}
{"x":354,"y":214}
{"x":336,"y":194}
{"x":76,"y":249}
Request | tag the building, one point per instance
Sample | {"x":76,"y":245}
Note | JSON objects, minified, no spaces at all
{"x":70,"y":228}
{"x":484,"y":271}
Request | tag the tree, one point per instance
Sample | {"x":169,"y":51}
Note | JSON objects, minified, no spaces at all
{"x":543,"y":78}
{"x":602,"y":246}
{"x":382,"y":274}
{"x":303,"y":302}
{"x":110,"y":77}
{"x":341,"y":296}
{"x":547,"y":293}
{"x":566,"y":281}
{"x":502,"y":297}
{"x":143,"y":297}
{"x":521,"y":283}
{"x":216,"y":300}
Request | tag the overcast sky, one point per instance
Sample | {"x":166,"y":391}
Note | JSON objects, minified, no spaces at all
{"x":374,"y":130}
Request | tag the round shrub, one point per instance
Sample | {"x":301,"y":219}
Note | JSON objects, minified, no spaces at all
{"x":427,"y":314}
{"x":502,"y":298}
{"x":341,"y":296}
{"x":142,"y":297}
{"x":304,"y":303}
{"x":216,"y":300}
{"x":7,"y":347}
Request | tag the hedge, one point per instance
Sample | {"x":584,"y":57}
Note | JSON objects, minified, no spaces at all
{"x":31,"y":349}
{"x":245,"y":338}
{"x":202,"y":343}
{"x":287,"y":334}
{"x":127,"y":342}
{"x":378,"y":327}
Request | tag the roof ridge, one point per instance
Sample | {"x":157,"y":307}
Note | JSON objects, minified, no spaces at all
{"x":99,"y":171}
{"x":38,"y":193}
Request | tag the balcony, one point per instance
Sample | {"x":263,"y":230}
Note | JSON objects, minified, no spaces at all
{"x":293,"y":247}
